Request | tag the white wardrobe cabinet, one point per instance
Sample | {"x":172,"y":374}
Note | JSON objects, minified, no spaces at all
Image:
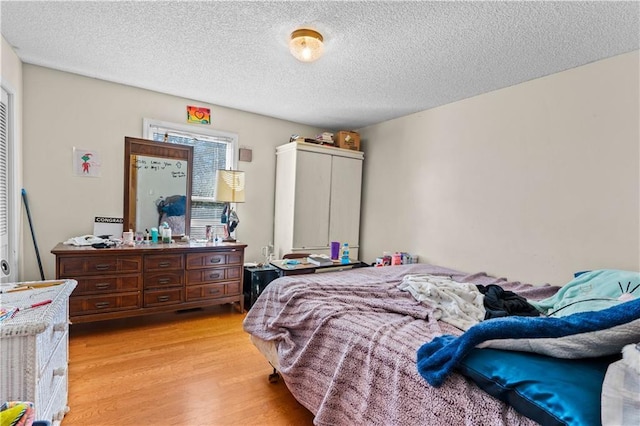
{"x":317,"y":198}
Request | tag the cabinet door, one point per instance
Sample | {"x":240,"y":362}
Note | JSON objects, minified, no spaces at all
{"x":346,"y":185}
{"x":312,"y":195}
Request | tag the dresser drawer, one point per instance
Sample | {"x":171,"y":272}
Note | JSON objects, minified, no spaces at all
{"x":51,"y":337}
{"x":71,"y":267}
{"x":207,"y":260}
{"x":112,"y":284}
{"x":212,"y":291}
{"x":211,"y":275}
{"x":53,"y":375}
{"x":162,"y":297}
{"x":162,"y":262}
{"x":57,"y":407}
{"x":163,"y":279}
{"x":83,"y":305}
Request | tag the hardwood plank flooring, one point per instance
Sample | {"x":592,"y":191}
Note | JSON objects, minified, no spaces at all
{"x":188,"y":368}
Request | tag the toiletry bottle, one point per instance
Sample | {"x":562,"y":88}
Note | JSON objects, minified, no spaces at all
{"x":345,"y":254}
{"x":166,"y":233}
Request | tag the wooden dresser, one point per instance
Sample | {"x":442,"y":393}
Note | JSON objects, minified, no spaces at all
{"x":34,"y":349}
{"x":150,"y":278}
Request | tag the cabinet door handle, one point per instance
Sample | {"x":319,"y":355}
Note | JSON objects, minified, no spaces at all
{"x":163,"y":298}
{"x":61,"y":326}
{"x":102,"y":305}
{"x":102,"y":286}
{"x":102,"y":267}
{"x":60,"y":371}
{"x":164,"y":280}
{"x":164,"y":264}
{"x":214,"y":276}
{"x":215,"y":260}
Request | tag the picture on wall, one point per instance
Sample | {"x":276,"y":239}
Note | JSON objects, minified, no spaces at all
{"x":86,"y":162}
{"x":198,"y":115}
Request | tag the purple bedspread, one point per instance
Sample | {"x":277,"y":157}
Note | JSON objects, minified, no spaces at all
{"x":347,"y":344}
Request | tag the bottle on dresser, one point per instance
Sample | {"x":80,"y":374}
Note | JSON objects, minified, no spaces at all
{"x":345,"y":254}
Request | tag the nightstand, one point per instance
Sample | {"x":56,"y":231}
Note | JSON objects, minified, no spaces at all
{"x":256,"y":279}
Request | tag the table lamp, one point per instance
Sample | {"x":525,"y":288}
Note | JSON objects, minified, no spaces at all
{"x":229,"y":189}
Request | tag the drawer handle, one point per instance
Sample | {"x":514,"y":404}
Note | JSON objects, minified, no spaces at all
{"x":103,"y":267}
{"x":61,"y":326}
{"x":102,"y":305}
{"x":163,"y":298}
{"x":213,"y":276}
{"x":164,"y":264}
{"x":102,"y":286}
{"x":164,"y":280}
{"x":214,"y":291}
{"x":60,"y":371}
{"x":215,"y":260}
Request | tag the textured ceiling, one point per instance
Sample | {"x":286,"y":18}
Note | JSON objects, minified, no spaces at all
{"x":382,"y":59}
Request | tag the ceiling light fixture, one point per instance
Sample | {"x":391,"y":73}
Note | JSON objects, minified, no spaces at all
{"x":306,"y":44}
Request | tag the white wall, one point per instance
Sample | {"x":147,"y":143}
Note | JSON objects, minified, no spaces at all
{"x":11,"y":81}
{"x":64,"y":110}
{"x":533,"y":182}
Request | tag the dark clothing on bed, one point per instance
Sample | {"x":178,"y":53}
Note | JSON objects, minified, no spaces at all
{"x":503,"y":303}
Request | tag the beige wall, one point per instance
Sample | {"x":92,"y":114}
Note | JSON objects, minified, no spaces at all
{"x":11,"y":81}
{"x":63,"y":110}
{"x":532,"y":182}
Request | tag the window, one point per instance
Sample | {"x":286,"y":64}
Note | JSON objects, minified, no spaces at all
{"x":212,"y":150}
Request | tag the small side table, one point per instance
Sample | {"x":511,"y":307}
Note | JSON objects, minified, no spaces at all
{"x":256,"y":279}
{"x":304,"y":267}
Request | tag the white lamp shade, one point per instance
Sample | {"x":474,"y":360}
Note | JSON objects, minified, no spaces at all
{"x":229,"y":186}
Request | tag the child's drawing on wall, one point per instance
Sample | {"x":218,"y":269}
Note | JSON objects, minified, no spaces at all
{"x":86,"y":162}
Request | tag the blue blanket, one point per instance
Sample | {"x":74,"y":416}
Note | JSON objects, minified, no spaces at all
{"x":438,"y":358}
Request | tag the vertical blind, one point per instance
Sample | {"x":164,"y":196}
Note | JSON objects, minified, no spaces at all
{"x":4,"y":170}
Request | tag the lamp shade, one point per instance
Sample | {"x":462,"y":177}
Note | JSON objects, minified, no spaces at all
{"x":306,"y":45}
{"x":229,"y":186}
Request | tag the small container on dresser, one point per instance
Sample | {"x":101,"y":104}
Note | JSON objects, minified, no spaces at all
{"x":34,"y":348}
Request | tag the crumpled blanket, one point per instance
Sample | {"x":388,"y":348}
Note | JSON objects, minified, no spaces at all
{"x":459,"y":304}
{"x":438,"y":358}
{"x":347,"y":345}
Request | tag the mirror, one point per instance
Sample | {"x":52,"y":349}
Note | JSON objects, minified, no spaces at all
{"x":157,"y":185}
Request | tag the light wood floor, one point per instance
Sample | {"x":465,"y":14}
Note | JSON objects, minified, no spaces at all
{"x":190,"y":368}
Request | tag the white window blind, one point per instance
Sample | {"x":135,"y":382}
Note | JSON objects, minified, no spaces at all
{"x":4,"y":167}
{"x":8,"y":253}
{"x":212,"y":150}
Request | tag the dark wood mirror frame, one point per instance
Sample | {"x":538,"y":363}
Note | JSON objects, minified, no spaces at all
{"x":134,"y":147}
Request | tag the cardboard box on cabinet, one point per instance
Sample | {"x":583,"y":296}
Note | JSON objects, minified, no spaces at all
{"x":347,"y":140}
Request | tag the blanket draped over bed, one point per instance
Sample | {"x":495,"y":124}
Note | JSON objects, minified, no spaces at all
{"x":347,"y":346}
{"x":438,"y":358}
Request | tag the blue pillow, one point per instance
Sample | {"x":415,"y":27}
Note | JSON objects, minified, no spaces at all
{"x":550,"y":391}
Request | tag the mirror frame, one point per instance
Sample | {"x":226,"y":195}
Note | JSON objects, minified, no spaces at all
{"x":136,"y":146}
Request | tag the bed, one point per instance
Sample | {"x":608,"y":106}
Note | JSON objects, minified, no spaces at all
{"x":348,"y":344}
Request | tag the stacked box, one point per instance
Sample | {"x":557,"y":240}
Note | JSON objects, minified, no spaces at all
{"x":347,"y":140}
